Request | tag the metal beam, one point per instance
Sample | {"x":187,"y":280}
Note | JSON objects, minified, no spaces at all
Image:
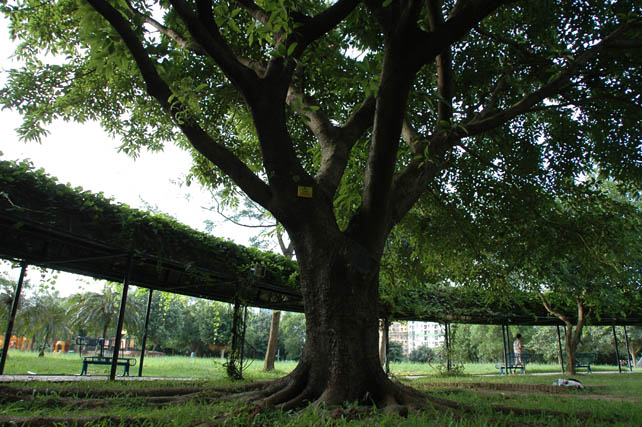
{"x":628,"y":351}
{"x":447,"y":339}
{"x":121,"y":316}
{"x":559,"y":345}
{"x":144,"y":344}
{"x":504,"y":338}
{"x":12,"y":316}
{"x":617,"y":351}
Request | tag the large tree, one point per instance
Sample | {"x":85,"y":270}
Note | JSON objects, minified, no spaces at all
{"x":337,"y":117}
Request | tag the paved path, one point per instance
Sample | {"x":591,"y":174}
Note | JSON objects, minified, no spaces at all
{"x":62,"y":378}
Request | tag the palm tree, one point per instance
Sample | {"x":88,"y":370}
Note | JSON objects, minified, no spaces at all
{"x":97,"y":311}
{"x":45,"y":314}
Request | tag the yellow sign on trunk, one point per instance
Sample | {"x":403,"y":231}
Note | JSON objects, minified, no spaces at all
{"x":304,"y":192}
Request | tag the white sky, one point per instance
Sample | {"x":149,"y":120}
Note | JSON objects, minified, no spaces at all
{"x":84,"y":156}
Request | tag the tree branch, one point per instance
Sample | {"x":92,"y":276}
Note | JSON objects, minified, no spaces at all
{"x":335,"y":142}
{"x":321,"y":24}
{"x":464,"y":17}
{"x":213,"y":43}
{"x":477,"y":125}
{"x":412,"y":137}
{"x":255,"y":11}
{"x":220,"y":156}
{"x":170,"y":33}
{"x":219,"y":211}
{"x":550,"y":309}
{"x":335,"y":158}
{"x":287,"y":251}
{"x":445,"y":84}
{"x":386,"y":198}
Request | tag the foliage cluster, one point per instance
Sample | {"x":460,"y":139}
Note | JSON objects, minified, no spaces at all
{"x":483,"y":343}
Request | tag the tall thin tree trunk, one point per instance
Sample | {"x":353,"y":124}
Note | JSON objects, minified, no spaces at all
{"x":383,"y":335}
{"x":270,"y":353}
{"x":272,"y":342}
{"x":44,"y":344}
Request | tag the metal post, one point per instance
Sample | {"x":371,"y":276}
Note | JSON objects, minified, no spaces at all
{"x":559,"y":345}
{"x":447,"y":336}
{"x":617,"y":351}
{"x":12,"y":316}
{"x":144,"y":344}
{"x":504,"y":348}
{"x":235,"y":362}
{"x":121,"y":316}
{"x":628,"y":350}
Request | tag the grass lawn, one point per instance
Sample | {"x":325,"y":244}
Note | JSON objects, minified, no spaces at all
{"x":609,"y":399}
{"x":23,"y":362}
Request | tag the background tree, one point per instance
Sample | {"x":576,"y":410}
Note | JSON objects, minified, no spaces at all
{"x":166,"y":319}
{"x":395,"y":352}
{"x":248,"y":214}
{"x":423,"y":354}
{"x":338,"y":118}
{"x":592,"y":266}
{"x":292,"y":335}
{"x":257,"y":333}
{"x":7,"y":293}
{"x":96,"y":312}
{"x":635,"y":342}
{"x":214,"y":321}
{"x":46,"y":318}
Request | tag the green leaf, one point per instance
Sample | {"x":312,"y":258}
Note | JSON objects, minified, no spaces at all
{"x":291,"y":48}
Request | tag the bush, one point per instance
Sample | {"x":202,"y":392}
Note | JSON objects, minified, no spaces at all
{"x":423,"y":354}
{"x":395,"y":352}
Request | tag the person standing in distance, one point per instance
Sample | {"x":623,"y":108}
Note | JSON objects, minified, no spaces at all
{"x":518,"y":346}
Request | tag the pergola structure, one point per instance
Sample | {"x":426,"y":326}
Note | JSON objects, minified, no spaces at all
{"x":51,"y":225}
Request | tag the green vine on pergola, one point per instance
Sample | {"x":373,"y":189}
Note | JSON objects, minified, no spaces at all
{"x":34,"y":203}
{"x":31,"y":197}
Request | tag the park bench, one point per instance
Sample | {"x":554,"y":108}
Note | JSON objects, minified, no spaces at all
{"x":512,"y":365}
{"x":584,"y":360}
{"x":100,"y":358}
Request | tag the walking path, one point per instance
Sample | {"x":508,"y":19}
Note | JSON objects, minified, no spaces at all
{"x":63,"y":378}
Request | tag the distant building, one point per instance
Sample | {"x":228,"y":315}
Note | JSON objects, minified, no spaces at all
{"x":412,"y":335}
{"x":398,"y":333}
{"x":421,"y":334}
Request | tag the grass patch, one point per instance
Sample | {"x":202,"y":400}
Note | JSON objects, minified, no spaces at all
{"x":23,"y":362}
{"x":609,"y":399}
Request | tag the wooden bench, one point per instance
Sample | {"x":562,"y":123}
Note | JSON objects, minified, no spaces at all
{"x":100,"y":359}
{"x":512,"y":364}
{"x":584,"y":360}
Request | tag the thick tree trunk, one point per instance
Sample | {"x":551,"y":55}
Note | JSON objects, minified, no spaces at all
{"x":340,"y":360}
{"x":570,"y":359}
{"x":272,"y":342}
